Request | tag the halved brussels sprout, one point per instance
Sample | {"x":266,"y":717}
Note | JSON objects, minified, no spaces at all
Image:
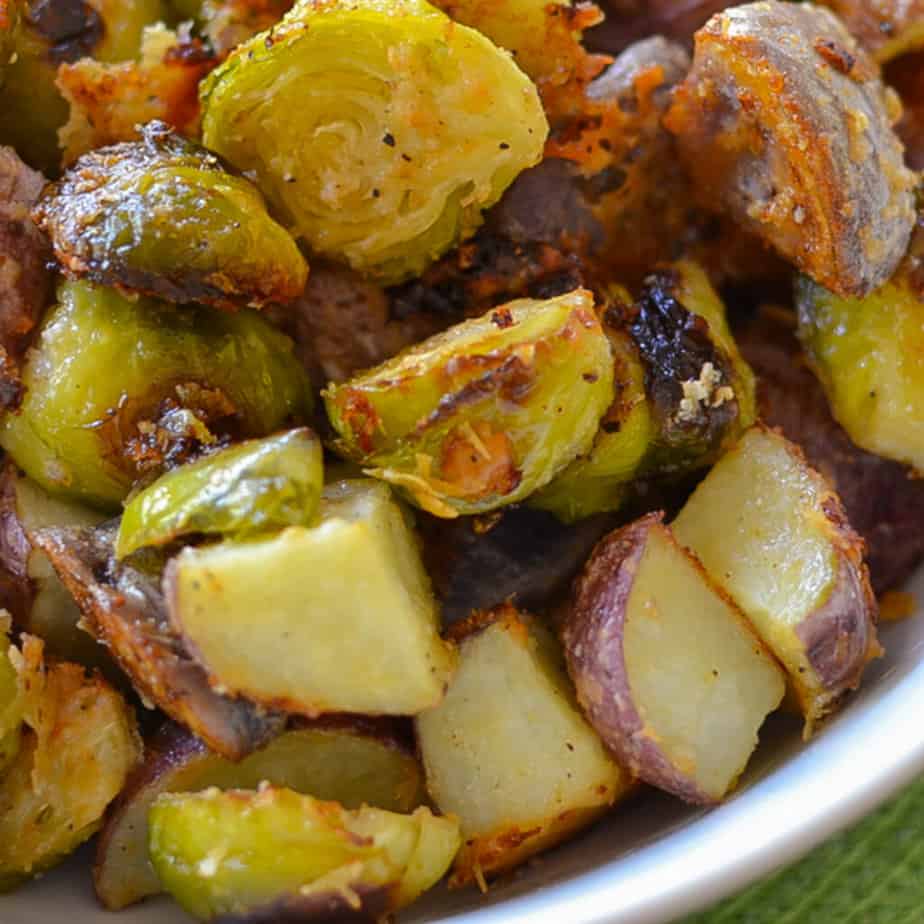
{"x":246,"y":489}
{"x":869,"y":355}
{"x":599,"y":481}
{"x":274,"y":855}
{"x":11,"y":700}
{"x":81,"y":743}
{"x":117,"y":387}
{"x":378,"y":131}
{"x":40,"y":35}
{"x":485,"y":413}
{"x":700,"y":389}
{"x":162,"y":217}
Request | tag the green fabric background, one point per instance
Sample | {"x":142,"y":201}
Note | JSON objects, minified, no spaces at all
{"x":872,"y":874}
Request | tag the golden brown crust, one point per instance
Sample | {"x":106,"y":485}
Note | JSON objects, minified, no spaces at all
{"x":109,"y":101}
{"x":784,"y":123}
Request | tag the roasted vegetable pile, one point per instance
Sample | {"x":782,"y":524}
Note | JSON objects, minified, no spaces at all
{"x":426,"y":425}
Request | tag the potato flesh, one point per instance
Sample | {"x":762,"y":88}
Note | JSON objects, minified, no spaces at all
{"x":700,"y":680}
{"x":759,"y":524}
{"x":338,"y":617}
{"x":508,"y":751}
{"x":239,"y":852}
{"x":345,"y":765}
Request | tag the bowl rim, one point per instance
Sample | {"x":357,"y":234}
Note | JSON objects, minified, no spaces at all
{"x":827,"y":785}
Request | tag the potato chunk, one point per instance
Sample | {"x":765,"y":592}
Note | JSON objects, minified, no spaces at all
{"x":275,"y":855}
{"x":509,"y":752}
{"x":773,"y":532}
{"x":338,"y":617}
{"x":81,"y":743}
{"x":784,"y":123}
{"x":350,"y":761}
{"x":666,"y":668}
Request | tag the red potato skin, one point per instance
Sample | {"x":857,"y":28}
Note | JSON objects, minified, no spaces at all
{"x":883,"y":501}
{"x":784,"y":124}
{"x":592,"y":636}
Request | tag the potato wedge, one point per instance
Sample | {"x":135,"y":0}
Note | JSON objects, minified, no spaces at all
{"x":352,"y":761}
{"x":508,"y":751}
{"x":785,"y":124}
{"x":275,"y":855}
{"x":81,"y":745}
{"x":123,"y":606}
{"x":774,"y":533}
{"x":666,"y":668}
{"x":29,"y":587}
{"x":337,"y":617}
{"x":883,"y":500}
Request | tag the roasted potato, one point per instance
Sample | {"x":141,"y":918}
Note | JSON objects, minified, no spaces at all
{"x":251,"y":487}
{"x":275,"y":855}
{"x":784,"y":122}
{"x":118,"y":388}
{"x":667,"y":669}
{"x":355,"y":632}
{"x":110,"y":102}
{"x":368,"y":145}
{"x":351,"y":761}
{"x":508,"y":751}
{"x":162,"y":217}
{"x":867,"y":355}
{"x":485,"y":413}
{"x":773,"y":533}
{"x":123,"y":607}
{"x":81,"y":744}
{"x":43,"y":34}
{"x":29,"y":588}
{"x":884,"y":501}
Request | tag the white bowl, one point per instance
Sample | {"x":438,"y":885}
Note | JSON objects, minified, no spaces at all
{"x":653,"y":860}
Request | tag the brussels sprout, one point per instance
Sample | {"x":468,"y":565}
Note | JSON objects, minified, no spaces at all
{"x":485,"y":413}
{"x":868,"y":354}
{"x":407,"y":128}
{"x":249,"y":488}
{"x":700,"y":389}
{"x":162,"y":217}
{"x":274,"y":854}
{"x":11,"y":700}
{"x":599,"y":481}
{"x":40,"y":35}
{"x":118,"y":387}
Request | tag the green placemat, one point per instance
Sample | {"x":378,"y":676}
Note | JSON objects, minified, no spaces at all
{"x":872,"y":874}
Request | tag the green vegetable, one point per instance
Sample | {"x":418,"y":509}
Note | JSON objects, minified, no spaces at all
{"x":869,"y":355}
{"x":162,"y":217}
{"x":336,"y":617}
{"x":700,"y":389}
{"x":249,"y":488}
{"x":485,"y":413}
{"x":379,"y":131}
{"x":38,"y":35}
{"x":11,"y":701}
{"x":276,"y":853}
{"x":112,"y":382}
{"x":599,"y":481}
